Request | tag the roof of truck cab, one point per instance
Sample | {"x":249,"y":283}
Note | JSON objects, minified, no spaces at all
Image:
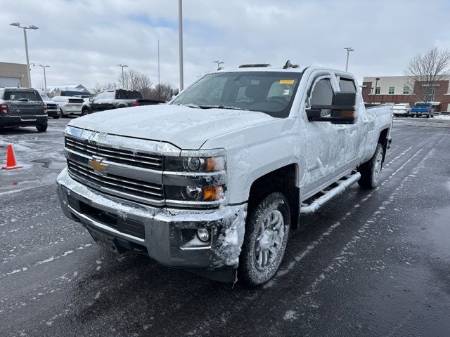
{"x":289,"y":70}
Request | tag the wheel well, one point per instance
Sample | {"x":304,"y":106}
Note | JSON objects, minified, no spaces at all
{"x":383,"y":140}
{"x":281,"y":180}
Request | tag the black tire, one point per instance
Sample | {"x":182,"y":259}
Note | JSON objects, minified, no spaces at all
{"x":371,"y":170}
{"x":268,"y":224}
{"x":58,"y":114}
{"x":41,"y":127}
{"x":84,"y":111}
{"x":61,"y":113}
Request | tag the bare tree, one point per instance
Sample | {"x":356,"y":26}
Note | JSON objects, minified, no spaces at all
{"x":134,"y":80}
{"x":427,"y":70}
{"x":163,"y":92}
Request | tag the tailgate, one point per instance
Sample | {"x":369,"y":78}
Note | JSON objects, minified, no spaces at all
{"x":26,"y":109}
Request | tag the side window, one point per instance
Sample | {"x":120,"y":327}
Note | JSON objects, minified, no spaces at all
{"x":322,"y":93}
{"x":347,"y":85}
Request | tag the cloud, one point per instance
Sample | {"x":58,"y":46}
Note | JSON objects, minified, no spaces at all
{"x":83,"y":41}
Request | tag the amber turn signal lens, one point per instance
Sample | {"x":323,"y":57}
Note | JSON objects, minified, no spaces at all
{"x":212,"y":193}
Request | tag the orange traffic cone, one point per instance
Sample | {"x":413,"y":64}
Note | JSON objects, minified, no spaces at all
{"x":10,"y":159}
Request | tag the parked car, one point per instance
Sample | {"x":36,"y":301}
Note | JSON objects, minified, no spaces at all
{"x":401,"y":110}
{"x":69,"y":105}
{"x":51,"y":107}
{"x":423,"y":109}
{"x":114,"y":99}
{"x":22,"y":107}
{"x":215,"y":180}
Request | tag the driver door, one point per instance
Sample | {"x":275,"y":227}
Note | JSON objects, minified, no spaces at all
{"x":324,"y":148}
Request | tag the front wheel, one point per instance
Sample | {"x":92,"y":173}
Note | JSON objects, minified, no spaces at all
{"x":371,"y":170}
{"x":265,"y":240}
{"x":41,"y":127}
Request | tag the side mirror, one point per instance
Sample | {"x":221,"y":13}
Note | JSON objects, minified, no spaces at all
{"x":341,"y":111}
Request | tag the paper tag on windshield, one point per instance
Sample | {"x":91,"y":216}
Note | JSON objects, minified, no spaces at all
{"x":287,"y":82}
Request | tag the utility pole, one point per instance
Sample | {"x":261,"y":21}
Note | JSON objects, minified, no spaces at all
{"x":180,"y":42}
{"x":123,"y":78}
{"x":348,"y":49}
{"x":219,"y":64}
{"x":18,"y":25}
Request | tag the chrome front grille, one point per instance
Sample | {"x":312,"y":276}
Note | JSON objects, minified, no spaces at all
{"x":127,"y":188}
{"x":115,"y":155}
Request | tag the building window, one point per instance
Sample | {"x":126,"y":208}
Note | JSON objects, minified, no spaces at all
{"x":391,"y":90}
{"x":377,"y":90}
{"x":406,"y":90}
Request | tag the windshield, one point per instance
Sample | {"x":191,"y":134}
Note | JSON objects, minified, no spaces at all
{"x":268,"y":92}
{"x":25,"y":95}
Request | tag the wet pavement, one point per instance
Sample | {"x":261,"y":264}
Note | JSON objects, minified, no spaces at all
{"x":370,"y":263}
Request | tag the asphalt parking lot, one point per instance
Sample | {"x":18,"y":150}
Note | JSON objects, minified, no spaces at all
{"x":368,"y":264}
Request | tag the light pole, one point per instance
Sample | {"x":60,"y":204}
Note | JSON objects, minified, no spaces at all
{"x":180,"y":41}
{"x":43,"y":66}
{"x":219,"y":64}
{"x":348,"y":49}
{"x":123,"y":78}
{"x":18,"y":25}
{"x":159,"y":75}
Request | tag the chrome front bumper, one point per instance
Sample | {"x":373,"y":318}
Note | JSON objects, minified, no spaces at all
{"x":168,"y":235}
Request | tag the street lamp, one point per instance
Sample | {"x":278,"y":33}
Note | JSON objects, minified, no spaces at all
{"x":45,"y":76}
{"x":159,"y":75}
{"x":18,"y":25}
{"x":180,"y":42}
{"x":348,"y":49}
{"x":219,"y":64}
{"x":43,"y":66}
{"x":123,"y":78}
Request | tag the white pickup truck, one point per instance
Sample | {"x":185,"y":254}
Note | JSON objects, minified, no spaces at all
{"x":216,"y":180}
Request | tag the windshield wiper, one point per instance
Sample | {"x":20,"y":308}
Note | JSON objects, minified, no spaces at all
{"x":226,"y":107}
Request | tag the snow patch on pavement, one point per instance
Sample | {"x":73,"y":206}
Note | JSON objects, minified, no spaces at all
{"x":290,"y":315}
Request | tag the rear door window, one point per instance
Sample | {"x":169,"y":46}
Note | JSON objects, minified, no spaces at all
{"x":347,"y":85}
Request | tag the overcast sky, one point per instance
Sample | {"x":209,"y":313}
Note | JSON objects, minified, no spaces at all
{"x":84,"y":40}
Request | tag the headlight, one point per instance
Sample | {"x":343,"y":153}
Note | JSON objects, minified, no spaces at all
{"x":195,"y":163}
{"x":195,"y":177}
{"x":192,"y":193}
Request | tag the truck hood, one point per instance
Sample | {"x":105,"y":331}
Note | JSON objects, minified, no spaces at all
{"x":184,"y":127}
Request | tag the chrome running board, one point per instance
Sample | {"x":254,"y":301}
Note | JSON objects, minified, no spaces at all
{"x":314,"y":203}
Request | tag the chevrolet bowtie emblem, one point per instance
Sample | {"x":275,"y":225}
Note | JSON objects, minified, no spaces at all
{"x":97,"y":164}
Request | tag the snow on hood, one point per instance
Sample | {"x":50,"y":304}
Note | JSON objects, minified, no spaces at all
{"x":187,"y":128}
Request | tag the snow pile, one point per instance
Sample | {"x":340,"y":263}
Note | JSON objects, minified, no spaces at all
{"x":443,"y":117}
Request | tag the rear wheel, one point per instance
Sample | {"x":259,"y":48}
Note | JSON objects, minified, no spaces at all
{"x":58,"y":114}
{"x":265,"y":240}
{"x":41,"y":127}
{"x":371,"y":170}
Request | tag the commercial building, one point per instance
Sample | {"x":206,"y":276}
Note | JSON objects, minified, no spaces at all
{"x":13,"y":75}
{"x":403,"y":89}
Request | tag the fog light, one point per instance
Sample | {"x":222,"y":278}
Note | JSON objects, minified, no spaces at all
{"x":203,"y":234}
